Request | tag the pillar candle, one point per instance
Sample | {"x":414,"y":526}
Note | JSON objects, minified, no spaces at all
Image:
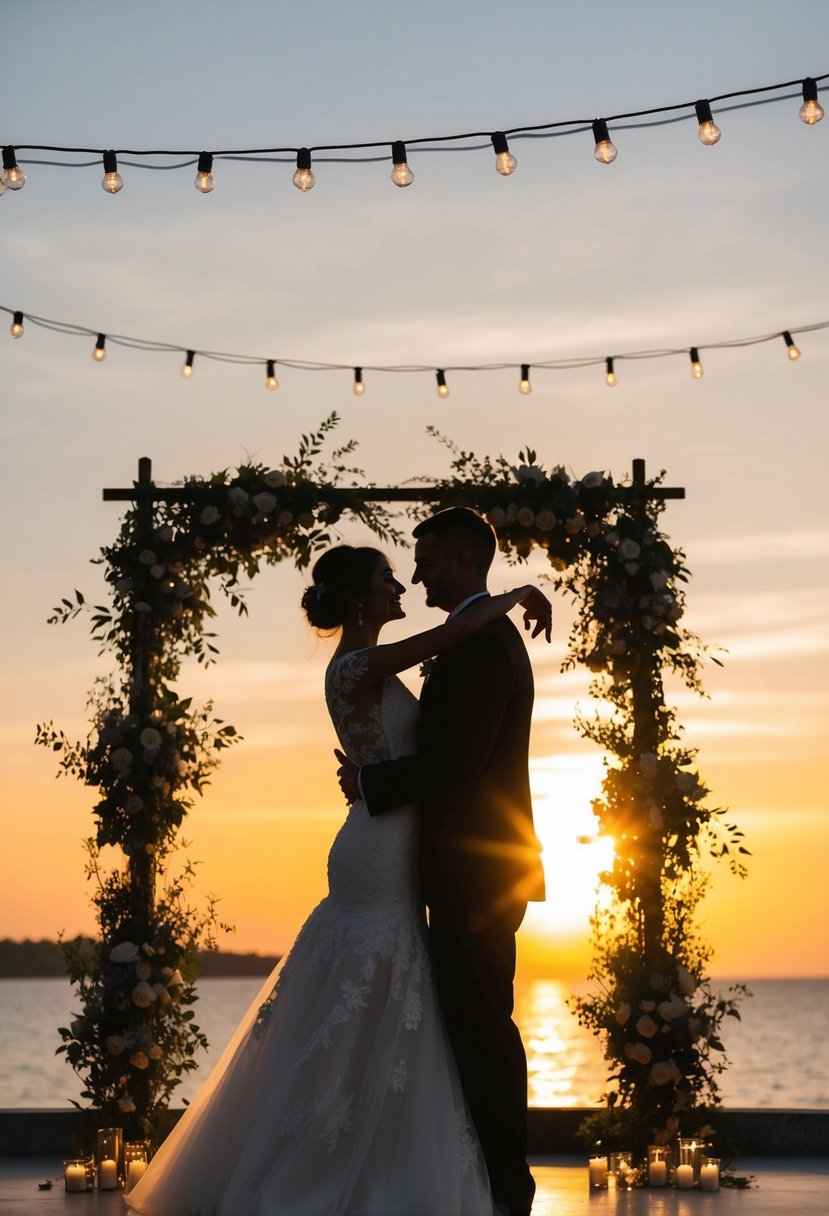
{"x":658,"y":1173}
{"x":709,"y":1178}
{"x":597,"y":1168}
{"x":685,"y":1177}
{"x":74,"y":1178}
{"x":135,"y":1170}
{"x":107,"y":1175}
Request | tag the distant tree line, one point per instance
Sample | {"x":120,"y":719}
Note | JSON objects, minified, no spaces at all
{"x":38,"y":959}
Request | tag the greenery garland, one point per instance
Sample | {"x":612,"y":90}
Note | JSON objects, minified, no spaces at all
{"x":149,"y":751}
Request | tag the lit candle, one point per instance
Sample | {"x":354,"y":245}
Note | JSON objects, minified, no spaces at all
{"x":107,"y":1175}
{"x":74,"y":1178}
{"x":685,"y":1177}
{"x":135,"y":1170}
{"x":658,"y":1173}
{"x":709,"y":1177}
{"x":597,"y":1168}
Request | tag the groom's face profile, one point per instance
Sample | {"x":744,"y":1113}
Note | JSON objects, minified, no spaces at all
{"x":437,"y":567}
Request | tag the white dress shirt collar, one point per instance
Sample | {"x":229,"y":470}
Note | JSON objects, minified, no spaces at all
{"x":479,"y":595}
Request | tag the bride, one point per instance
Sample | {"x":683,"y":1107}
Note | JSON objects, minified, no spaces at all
{"x":338,"y":1094}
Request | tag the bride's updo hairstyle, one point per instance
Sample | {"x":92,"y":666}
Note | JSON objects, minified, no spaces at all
{"x":339,"y":576}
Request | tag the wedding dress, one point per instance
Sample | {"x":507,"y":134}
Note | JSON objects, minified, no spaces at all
{"x":338,"y":1095}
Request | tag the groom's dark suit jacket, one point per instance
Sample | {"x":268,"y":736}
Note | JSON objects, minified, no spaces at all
{"x":470,"y":777}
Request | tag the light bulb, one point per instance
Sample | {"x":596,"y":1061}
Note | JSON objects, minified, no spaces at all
{"x":791,"y":350}
{"x":604,"y":152}
{"x":304,"y":178}
{"x":271,"y":382}
{"x":187,"y":366}
{"x":359,"y":388}
{"x":505,"y":162}
{"x":709,"y":133}
{"x":16,"y":329}
{"x":15,"y":178}
{"x":443,"y":387}
{"x":112,"y":181}
{"x":610,"y":375}
{"x":696,"y":366}
{"x":401,"y":174}
{"x":811,"y":111}
{"x":524,"y":385}
{"x":99,"y":353}
{"x":205,"y":181}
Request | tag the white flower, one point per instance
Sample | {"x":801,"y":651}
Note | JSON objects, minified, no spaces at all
{"x":150,"y":739}
{"x":238,"y":498}
{"x":139,"y":1060}
{"x":209,"y":514}
{"x":156,"y":571}
{"x":142,"y":606}
{"x":126,"y":1105}
{"x":640,"y":1052}
{"x":121,"y":759}
{"x":659,"y":580}
{"x":512,"y":512}
{"x":629,"y":549}
{"x":285,"y":518}
{"x":674,"y":1008}
{"x":115,"y":1044}
{"x":687,"y":983}
{"x":631,"y":568}
{"x":143,"y":995}
{"x":622,"y":1014}
{"x":124,"y":952}
{"x":497,"y":516}
{"x":274,"y":478}
{"x":545,"y":521}
{"x":173,"y":979}
{"x":529,"y":474}
{"x":143,"y":971}
{"x":526,"y":517}
{"x":264,"y":502}
{"x":164,"y":534}
{"x":647,"y":1006}
{"x":148,"y":949}
{"x":146,"y":557}
{"x":663,"y":1072}
{"x":646,"y":1027}
{"x":591,"y":481}
{"x":134,"y":804}
{"x":161,"y":993}
{"x":155,"y":1052}
{"x":612,"y":539}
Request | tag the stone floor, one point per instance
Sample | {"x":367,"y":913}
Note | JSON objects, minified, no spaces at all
{"x":783,"y":1186}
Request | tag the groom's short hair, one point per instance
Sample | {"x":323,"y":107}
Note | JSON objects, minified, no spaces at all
{"x":465,"y":529}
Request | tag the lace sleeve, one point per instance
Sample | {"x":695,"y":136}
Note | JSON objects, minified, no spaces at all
{"x":358,"y":725}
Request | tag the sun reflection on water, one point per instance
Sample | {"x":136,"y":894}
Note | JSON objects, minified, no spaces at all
{"x":564,"y":1061}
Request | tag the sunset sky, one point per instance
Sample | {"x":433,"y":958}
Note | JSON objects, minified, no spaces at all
{"x":673,"y":245}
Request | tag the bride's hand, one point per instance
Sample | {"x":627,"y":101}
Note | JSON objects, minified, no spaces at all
{"x":538,"y":612}
{"x":347,"y":777}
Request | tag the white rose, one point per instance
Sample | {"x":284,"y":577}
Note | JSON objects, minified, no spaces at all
{"x":646,"y":1027}
{"x":134,"y":804}
{"x":274,"y":478}
{"x":285,"y":518}
{"x":115,"y":1044}
{"x":663,"y":1072}
{"x":146,"y":557}
{"x":545,"y":521}
{"x":155,"y":1052}
{"x":126,"y":1105}
{"x":629,"y":549}
{"x":674,"y":1008}
{"x":238,"y":499}
{"x":497,"y":516}
{"x":161,"y":993}
{"x":156,"y":571}
{"x":612,"y":539}
{"x":124,"y":952}
{"x":139,"y":1060}
{"x":529,"y":474}
{"x":143,"y":995}
{"x":647,"y":621}
{"x":148,"y":949}
{"x":647,"y":1006}
{"x":174,"y":979}
{"x":659,"y":580}
{"x":121,"y":759}
{"x":574,"y":524}
{"x":622,"y":1014}
{"x":526,"y":517}
{"x":640,"y":1052}
{"x":264,"y":502}
{"x":164,"y":534}
{"x":591,"y":481}
{"x":150,"y":739}
{"x":512,"y":512}
{"x":209,"y":514}
{"x":687,"y":983}
{"x":143,"y":971}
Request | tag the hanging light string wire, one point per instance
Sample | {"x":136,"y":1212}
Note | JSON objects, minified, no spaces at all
{"x":659,"y":115}
{"x":65,"y":327}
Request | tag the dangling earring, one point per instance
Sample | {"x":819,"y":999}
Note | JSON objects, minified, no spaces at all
{"x":359,"y":615}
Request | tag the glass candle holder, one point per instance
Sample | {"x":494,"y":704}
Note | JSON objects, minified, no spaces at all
{"x":659,"y":1164}
{"x":709,"y":1174}
{"x":135,"y":1162}
{"x":597,"y":1171}
{"x":620,"y":1166}
{"x":687,"y":1162}
{"x":78,"y":1174}
{"x":109,"y":1158}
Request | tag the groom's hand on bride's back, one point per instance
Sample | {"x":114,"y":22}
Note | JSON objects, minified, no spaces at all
{"x":347,"y":777}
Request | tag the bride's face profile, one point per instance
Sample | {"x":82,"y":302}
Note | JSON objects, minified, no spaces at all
{"x":384,"y":591}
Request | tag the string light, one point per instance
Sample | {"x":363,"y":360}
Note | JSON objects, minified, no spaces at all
{"x":271,"y":382}
{"x":505,"y":162}
{"x":604,"y":152}
{"x":401,"y":174}
{"x":304,"y":178}
{"x":16,"y":327}
{"x":709,"y":132}
{"x":187,"y":367}
{"x":100,"y":353}
{"x":13,"y":177}
{"x":359,"y":388}
{"x":811,"y":111}
{"x":791,"y":350}
{"x":443,"y":387}
{"x":610,"y":375}
{"x":112,"y":181}
{"x":696,"y":366}
{"x":524,"y":385}
{"x":205,"y":181}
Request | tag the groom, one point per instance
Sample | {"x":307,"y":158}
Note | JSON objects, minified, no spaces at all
{"x":479,"y":855}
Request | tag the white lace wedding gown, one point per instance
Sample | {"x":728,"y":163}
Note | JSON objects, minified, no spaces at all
{"x":338,"y":1095}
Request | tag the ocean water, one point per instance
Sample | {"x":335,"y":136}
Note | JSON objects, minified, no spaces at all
{"x":779,"y":1052}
